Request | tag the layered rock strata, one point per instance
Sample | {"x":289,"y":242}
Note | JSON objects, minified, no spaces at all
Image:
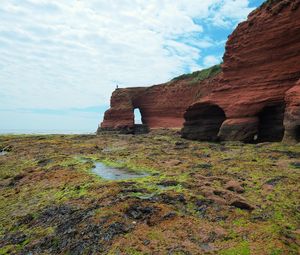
{"x":255,"y":97}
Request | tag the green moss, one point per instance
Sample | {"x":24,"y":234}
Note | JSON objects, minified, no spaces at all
{"x":70,"y":193}
{"x":276,"y":251}
{"x":68,"y":180}
{"x":6,"y":249}
{"x":240,"y":222}
{"x":241,"y":249}
{"x":155,"y":235}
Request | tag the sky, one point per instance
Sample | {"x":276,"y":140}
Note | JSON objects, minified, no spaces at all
{"x":60,"y":60}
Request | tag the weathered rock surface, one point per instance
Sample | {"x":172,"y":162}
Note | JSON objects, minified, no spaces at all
{"x":255,"y":98}
{"x":292,"y":114}
{"x":160,"y":105}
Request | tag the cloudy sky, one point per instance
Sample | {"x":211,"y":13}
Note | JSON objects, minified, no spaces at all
{"x":61,"y":59}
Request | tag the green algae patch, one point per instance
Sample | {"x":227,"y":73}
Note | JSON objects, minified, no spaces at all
{"x":241,"y":249}
{"x":49,"y":196}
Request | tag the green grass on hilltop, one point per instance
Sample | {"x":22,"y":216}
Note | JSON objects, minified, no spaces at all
{"x":200,"y":75}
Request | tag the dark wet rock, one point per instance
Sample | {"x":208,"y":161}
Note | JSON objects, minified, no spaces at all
{"x":180,"y":145}
{"x":178,"y":250}
{"x":127,"y":184}
{"x":133,"y":190}
{"x":139,"y":212}
{"x":25,"y":220}
{"x":242,"y":205}
{"x":295,"y":164}
{"x":14,"y":238}
{"x":115,"y":229}
{"x":234,"y":186}
{"x":219,"y":218}
{"x":16,"y":179}
{"x":205,"y":166}
{"x":206,"y":247}
{"x":261,"y":216}
{"x":168,"y":199}
{"x":55,"y":213}
{"x":169,"y":215}
{"x":146,"y":242}
{"x":168,"y":183}
{"x":75,"y":231}
{"x":6,"y":149}
{"x":202,"y":206}
{"x":44,"y":162}
{"x":219,"y":192}
{"x":201,"y":202}
{"x":274,"y":181}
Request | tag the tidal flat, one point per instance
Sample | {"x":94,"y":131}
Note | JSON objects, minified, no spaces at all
{"x":190,"y":197}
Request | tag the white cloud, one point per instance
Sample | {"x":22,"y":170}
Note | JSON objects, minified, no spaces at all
{"x":64,"y":53}
{"x":211,"y":60}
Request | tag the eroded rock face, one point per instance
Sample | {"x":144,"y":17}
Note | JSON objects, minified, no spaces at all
{"x":161,"y":106}
{"x":202,"y":122}
{"x":258,"y":91}
{"x":292,"y":114}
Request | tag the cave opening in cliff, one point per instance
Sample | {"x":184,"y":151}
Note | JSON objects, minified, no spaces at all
{"x":140,"y":126}
{"x":271,"y":128}
{"x":138,"y":119}
{"x":203,"y":122}
{"x":297,"y":133}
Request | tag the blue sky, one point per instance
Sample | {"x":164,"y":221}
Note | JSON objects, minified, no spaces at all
{"x":61,"y":59}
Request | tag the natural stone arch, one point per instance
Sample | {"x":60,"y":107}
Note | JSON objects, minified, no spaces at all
{"x":140,"y":126}
{"x":138,"y":117}
{"x":270,"y":123}
{"x":203,"y":122}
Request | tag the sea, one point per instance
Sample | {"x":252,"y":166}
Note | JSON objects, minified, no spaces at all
{"x":43,"y":132}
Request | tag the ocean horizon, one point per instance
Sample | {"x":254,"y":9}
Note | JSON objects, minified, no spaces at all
{"x":44,"y":132}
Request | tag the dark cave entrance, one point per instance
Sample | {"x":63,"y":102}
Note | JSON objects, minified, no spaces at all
{"x":203,"y":122}
{"x":297,"y":133}
{"x":270,"y":127}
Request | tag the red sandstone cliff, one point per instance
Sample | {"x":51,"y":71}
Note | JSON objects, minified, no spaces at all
{"x":160,"y":105}
{"x":247,"y":101}
{"x":292,"y":114}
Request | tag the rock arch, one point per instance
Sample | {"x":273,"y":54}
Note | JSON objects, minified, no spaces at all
{"x":139,"y":126}
{"x":203,"y":122}
{"x":259,"y":68}
{"x":138,"y":117}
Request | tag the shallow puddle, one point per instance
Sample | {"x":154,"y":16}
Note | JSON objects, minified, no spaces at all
{"x":113,"y":173}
